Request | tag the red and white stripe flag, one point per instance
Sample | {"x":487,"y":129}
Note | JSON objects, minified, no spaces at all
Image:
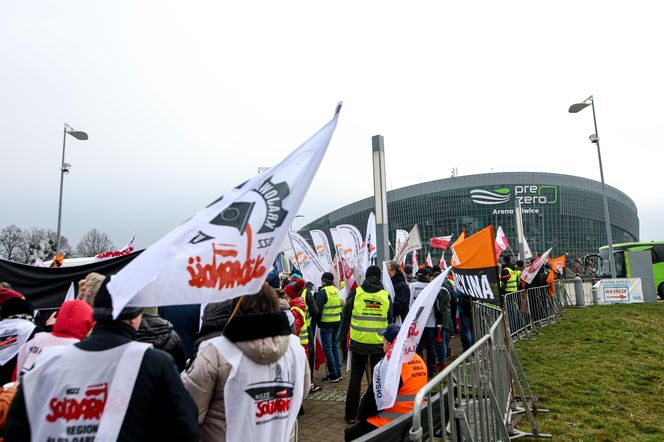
{"x":441,"y":242}
{"x":501,"y":242}
{"x":429,"y":260}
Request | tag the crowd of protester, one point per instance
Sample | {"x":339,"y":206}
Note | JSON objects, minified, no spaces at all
{"x":190,"y":363}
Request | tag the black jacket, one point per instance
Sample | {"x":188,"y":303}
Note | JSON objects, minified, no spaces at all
{"x":321,"y":300}
{"x":159,"y":332}
{"x":215,"y":317}
{"x":159,"y":409}
{"x":401,"y":296}
{"x":370,"y":285}
{"x":186,"y":320}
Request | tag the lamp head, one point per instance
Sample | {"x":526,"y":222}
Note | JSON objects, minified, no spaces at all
{"x":576,"y":107}
{"x":66,"y":167}
{"x":78,"y":134}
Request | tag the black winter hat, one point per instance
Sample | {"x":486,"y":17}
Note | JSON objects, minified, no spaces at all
{"x":327,"y":277}
{"x":103,"y":306}
{"x":373,"y":271}
{"x":16,"y":306}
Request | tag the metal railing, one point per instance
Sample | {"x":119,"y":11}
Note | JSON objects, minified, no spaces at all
{"x":486,"y":386}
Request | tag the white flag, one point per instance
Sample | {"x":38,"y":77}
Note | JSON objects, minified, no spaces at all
{"x":370,"y":242}
{"x":71,"y":293}
{"x":387,"y":372}
{"x":402,"y":237}
{"x":526,"y":249}
{"x":225,"y":250}
{"x":322,"y":248}
{"x":429,"y":260}
{"x":387,"y":282}
{"x":501,"y":241}
{"x":352,"y":239}
{"x":307,"y":260}
{"x":528,"y":274}
{"x":412,"y":243}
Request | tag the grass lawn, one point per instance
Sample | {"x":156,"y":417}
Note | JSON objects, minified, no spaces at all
{"x":600,"y":372}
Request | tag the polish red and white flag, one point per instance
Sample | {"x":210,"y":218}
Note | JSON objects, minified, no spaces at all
{"x":441,"y":242}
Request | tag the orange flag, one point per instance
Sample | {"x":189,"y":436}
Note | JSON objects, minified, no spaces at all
{"x":475,"y":266}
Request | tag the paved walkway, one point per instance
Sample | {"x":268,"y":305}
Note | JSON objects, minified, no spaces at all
{"x":323,"y":419}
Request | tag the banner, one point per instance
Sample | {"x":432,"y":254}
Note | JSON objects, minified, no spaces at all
{"x":622,"y":290}
{"x":558,"y":264}
{"x":528,"y":274}
{"x":322,"y":246}
{"x":126,"y":250}
{"x":501,"y":242}
{"x":441,"y":242}
{"x":224,"y":251}
{"x":307,"y":259}
{"x":401,"y":238}
{"x":475,"y":266}
{"x":387,"y":372}
{"x":412,"y":243}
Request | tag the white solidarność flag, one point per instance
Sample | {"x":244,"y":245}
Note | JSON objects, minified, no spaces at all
{"x":71,"y":293}
{"x":528,"y":274}
{"x":322,"y":248}
{"x":352,"y":239}
{"x":402,"y":237}
{"x":387,"y":372}
{"x":369,"y":243}
{"x":308,"y":263}
{"x":526,"y":249}
{"x":225,"y":250}
{"x":501,"y":241}
{"x":412,"y":243}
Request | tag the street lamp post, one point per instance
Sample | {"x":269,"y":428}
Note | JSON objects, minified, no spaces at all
{"x":64,"y":168}
{"x":594,"y":138}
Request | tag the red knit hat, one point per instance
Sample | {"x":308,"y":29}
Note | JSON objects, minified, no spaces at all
{"x":299,"y":284}
{"x":290,"y":291}
{"x":6,"y":294}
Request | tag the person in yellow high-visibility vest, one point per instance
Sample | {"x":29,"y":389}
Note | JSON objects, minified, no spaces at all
{"x":369,"y":310}
{"x":329,"y":306}
{"x":414,"y":376}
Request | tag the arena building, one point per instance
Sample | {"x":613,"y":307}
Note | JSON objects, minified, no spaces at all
{"x":560,"y":211}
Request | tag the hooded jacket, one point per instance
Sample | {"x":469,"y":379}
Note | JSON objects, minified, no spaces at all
{"x":73,"y":323}
{"x":299,"y":320}
{"x":263,"y":338}
{"x":159,"y":332}
{"x":401,"y":296}
{"x":214,"y":321}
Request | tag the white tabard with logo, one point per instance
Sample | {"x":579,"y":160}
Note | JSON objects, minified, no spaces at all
{"x":77,"y":395}
{"x":262,"y":401}
{"x":14,"y":333}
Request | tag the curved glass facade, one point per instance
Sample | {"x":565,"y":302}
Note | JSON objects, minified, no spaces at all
{"x":559,"y":211}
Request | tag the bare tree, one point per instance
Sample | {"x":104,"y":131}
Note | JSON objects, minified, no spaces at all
{"x":93,"y":243}
{"x":11,"y":239}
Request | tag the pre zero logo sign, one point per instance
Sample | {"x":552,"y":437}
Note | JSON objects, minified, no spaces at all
{"x":524,"y":194}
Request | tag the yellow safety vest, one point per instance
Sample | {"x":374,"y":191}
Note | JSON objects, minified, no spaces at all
{"x":332,"y":308}
{"x":511,"y":284}
{"x":369,"y":316}
{"x":304,"y":330}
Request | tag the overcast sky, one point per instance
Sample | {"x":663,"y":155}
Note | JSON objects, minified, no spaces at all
{"x":184,"y":100}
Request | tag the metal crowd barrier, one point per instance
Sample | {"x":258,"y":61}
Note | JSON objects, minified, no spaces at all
{"x":486,"y":387}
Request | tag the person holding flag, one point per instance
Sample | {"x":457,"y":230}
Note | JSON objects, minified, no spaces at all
{"x":369,"y":310}
{"x":414,"y":376}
